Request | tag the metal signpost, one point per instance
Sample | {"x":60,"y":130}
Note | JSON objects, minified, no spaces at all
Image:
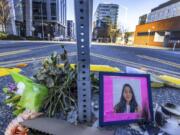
{"x":175,"y":43}
{"x":83,"y":15}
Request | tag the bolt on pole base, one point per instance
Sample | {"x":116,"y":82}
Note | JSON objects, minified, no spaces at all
{"x":83,"y":16}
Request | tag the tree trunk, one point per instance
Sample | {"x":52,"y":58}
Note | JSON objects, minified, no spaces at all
{"x":111,"y":38}
{"x":3,"y":28}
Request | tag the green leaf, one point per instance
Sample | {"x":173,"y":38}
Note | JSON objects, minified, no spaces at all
{"x":49,"y":82}
{"x":41,"y":77}
{"x":13,"y":99}
{"x":5,"y":90}
{"x":18,"y":111}
{"x":33,"y":96}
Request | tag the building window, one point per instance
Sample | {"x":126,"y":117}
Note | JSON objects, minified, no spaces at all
{"x":53,"y":9}
{"x":152,"y":18}
{"x":38,"y":12}
{"x":145,"y":33}
{"x":53,"y":18}
{"x":174,"y":11}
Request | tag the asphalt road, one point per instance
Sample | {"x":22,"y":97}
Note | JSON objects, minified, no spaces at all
{"x":159,"y":61}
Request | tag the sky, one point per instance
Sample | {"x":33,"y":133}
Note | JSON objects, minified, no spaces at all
{"x":135,"y":8}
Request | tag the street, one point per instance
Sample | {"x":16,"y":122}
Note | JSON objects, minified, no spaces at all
{"x":156,"y":60}
{"x":159,"y":61}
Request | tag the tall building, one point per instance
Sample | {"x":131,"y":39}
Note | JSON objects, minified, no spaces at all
{"x":70,"y":30}
{"x":15,"y":25}
{"x":162,"y":27}
{"x":142,"y":19}
{"x":49,"y":18}
{"x":39,"y":18}
{"x":166,"y":10}
{"x":106,"y":13}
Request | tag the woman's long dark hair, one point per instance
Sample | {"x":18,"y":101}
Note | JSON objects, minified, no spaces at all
{"x":121,"y":106}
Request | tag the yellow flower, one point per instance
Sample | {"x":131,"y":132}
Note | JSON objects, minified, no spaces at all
{"x":7,"y":71}
{"x":98,"y":68}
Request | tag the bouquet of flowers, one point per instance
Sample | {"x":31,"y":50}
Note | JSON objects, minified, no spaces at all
{"x":13,"y":93}
{"x":24,"y":94}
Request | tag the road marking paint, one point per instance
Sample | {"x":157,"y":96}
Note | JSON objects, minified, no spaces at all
{"x":124,"y":62}
{"x":24,"y":51}
{"x":24,"y":60}
{"x":28,"y":60}
{"x":13,"y":52}
{"x":137,"y":65}
{"x":42,"y":47}
{"x":14,"y":64}
{"x":173,"y":64}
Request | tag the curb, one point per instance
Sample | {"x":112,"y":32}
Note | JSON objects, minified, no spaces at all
{"x":157,"y":80}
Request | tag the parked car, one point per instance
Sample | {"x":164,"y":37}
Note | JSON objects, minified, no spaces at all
{"x":58,"y":38}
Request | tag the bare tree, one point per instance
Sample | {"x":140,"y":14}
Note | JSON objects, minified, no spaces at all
{"x":111,"y":29}
{"x":113,"y":33}
{"x":126,"y":37}
{"x":107,"y":30}
{"x":4,"y":14}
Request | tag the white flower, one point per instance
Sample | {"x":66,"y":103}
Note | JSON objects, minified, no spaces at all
{"x":20,"y":88}
{"x":7,"y":97}
{"x":10,"y":104}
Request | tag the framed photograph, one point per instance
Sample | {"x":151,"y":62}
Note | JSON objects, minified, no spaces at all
{"x":124,"y":98}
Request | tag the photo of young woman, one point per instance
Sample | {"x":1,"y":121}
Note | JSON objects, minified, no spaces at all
{"x":127,"y":102}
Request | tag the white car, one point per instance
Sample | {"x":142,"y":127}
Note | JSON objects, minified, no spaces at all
{"x":58,"y":38}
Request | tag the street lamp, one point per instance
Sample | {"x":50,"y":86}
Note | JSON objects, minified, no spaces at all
{"x":149,"y":32}
{"x":42,"y":19}
{"x":126,"y":12}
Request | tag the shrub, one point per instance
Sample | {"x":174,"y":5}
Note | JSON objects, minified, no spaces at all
{"x":3,"y":35}
{"x":33,"y":38}
{"x":13,"y":37}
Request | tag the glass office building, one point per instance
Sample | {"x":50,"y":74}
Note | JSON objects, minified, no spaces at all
{"x":106,"y":12}
{"x":38,"y":18}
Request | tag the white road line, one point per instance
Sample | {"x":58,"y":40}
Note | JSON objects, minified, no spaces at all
{"x":13,"y":52}
{"x":42,"y":47}
{"x":124,"y":62}
{"x":137,"y":65}
{"x":28,"y":60}
{"x":160,"y":61}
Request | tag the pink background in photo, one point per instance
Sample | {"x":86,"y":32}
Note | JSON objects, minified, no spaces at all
{"x":109,"y":114}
